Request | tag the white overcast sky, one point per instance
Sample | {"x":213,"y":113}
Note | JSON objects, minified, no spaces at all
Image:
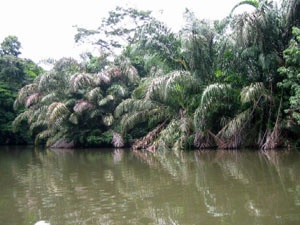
{"x":45,"y":27}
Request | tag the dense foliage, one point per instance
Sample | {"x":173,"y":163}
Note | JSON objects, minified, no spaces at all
{"x":226,"y":84}
{"x":15,"y":72}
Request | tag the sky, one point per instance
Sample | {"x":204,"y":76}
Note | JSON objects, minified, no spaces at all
{"x":45,"y":28}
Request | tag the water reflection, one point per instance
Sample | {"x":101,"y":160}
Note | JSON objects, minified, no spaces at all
{"x":121,"y":187}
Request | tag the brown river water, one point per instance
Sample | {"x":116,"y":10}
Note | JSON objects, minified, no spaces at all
{"x":115,"y":186}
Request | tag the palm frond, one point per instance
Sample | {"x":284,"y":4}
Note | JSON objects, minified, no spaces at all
{"x":57,"y":111}
{"x":95,"y":94}
{"x":43,"y":135}
{"x":39,"y":114}
{"x":25,"y":92}
{"x":49,"y":98}
{"x":16,"y":104}
{"x":251,"y":3}
{"x":38,"y":124}
{"x":129,"y":121}
{"x":45,"y":79}
{"x":115,"y":72}
{"x":82,"y":106}
{"x":131,"y":73}
{"x":74,"y":118}
{"x":183,"y":79}
{"x":148,"y":142}
{"x":154,"y":86}
{"x":54,"y":139}
{"x":252,"y":93}
{"x":140,"y":91}
{"x":31,"y":99}
{"x":130,"y":105}
{"x":108,"y":119}
{"x":236,"y":125}
{"x":95,"y":113}
{"x":168,"y":136}
{"x":215,"y":92}
{"x":104,"y":76}
{"x":80,"y":80}
{"x":186,"y":127}
{"x":106,"y":100}
{"x":213,"y":97}
{"x":71,"y":102}
{"x":118,"y":90}
{"x":21,"y":117}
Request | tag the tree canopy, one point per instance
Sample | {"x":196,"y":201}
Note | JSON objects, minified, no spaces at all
{"x":226,"y":84}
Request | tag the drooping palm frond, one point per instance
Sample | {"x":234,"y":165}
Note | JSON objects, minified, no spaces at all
{"x":124,"y":107}
{"x":214,"y":92}
{"x":213,"y":97}
{"x":168,"y":136}
{"x":115,"y":72}
{"x":49,"y":98}
{"x":59,"y":136}
{"x":43,"y":135}
{"x":251,"y":3}
{"x":38,"y":124}
{"x":253,"y":92}
{"x":186,"y":128}
{"x":147,"y":141}
{"x":82,"y":106}
{"x":273,"y":139}
{"x":46,"y":79}
{"x":290,"y":13}
{"x":131,"y":73}
{"x":21,"y":117}
{"x":104,"y":76}
{"x":95,"y":94}
{"x":71,"y":102}
{"x":232,"y":134}
{"x":182,"y":78}
{"x":106,"y":100}
{"x":31,"y":99}
{"x":130,"y":120}
{"x":163,"y":88}
{"x":58,"y":124}
{"x":57,"y":111}
{"x":25,"y":92}
{"x":80,"y":80}
{"x":130,"y":105}
{"x":118,"y":90}
{"x":204,"y":140}
{"x":155,"y":84}
{"x":140,"y":91}
{"x":38,"y":114}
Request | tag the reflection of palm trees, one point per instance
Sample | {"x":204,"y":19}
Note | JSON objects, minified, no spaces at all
{"x":98,"y":187}
{"x":118,"y":155}
{"x":223,"y":180}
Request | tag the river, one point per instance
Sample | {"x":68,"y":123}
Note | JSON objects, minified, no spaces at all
{"x":115,"y":186}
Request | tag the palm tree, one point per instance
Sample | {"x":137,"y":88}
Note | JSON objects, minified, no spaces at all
{"x":249,"y":112}
{"x":67,"y":108}
{"x":164,"y":102}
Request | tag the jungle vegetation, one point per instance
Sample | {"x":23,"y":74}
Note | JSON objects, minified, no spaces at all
{"x":228,"y":84}
{"x":15,"y":72}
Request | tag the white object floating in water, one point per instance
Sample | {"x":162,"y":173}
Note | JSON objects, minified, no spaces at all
{"x":42,"y":222}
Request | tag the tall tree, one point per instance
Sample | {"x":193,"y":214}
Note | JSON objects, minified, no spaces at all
{"x":15,"y":72}
{"x":10,"y":46}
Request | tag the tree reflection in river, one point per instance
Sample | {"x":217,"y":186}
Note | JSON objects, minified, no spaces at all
{"x":134,"y":187}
